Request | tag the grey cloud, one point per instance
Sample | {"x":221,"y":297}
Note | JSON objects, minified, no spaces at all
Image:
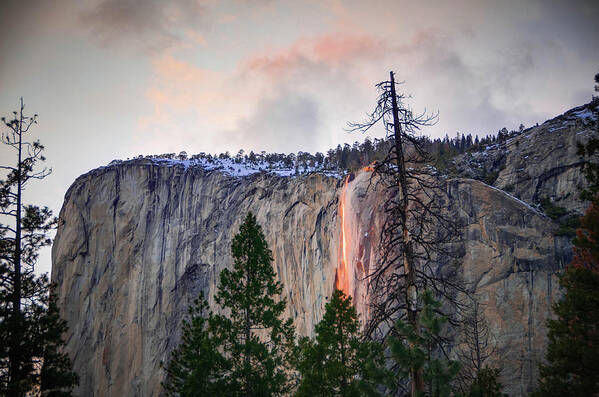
{"x":287,"y":122}
{"x":144,"y":24}
{"x":23,"y":22}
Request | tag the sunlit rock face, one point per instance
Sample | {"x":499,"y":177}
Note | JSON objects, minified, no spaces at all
{"x":139,"y":240}
{"x":510,"y":257}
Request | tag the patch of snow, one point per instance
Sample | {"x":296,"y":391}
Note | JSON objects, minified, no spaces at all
{"x":536,"y":211}
{"x":586,"y":114}
{"x":240,"y":168}
{"x":557,"y":128}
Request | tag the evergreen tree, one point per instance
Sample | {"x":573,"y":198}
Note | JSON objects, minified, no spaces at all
{"x":486,"y":384}
{"x":338,"y":362}
{"x":247,"y":351}
{"x":56,"y":375}
{"x":573,"y":349}
{"x":197,"y":367}
{"x":419,"y":348}
{"x":590,"y":170}
{"x":31,"y":329}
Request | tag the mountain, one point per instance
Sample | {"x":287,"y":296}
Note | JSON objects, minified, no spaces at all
{"x":138,"y":240}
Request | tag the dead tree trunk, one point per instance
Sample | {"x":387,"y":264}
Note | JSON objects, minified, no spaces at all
{"x":418,"y":229}
{"x":417,"y":382}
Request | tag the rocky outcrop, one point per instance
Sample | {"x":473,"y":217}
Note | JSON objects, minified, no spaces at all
{"x":510,"y":258}
{"x":139,"y":240}
{"x":541,"y":162}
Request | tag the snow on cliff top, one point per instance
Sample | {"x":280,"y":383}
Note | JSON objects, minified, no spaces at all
{"x":237,"y":167}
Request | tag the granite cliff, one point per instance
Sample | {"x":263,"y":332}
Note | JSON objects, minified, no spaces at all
{"x":540,"y":163}
{"x":139,"y":240}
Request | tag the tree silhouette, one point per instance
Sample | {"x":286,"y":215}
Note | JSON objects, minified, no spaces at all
{"x":30,"y":327}
{"x":418,"y":230}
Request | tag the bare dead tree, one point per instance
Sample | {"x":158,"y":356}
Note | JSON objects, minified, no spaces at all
{"x":476,"y":343}
{"x":418,"y":230}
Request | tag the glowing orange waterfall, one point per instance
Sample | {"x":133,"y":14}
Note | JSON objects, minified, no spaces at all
{"x":342,"y":279}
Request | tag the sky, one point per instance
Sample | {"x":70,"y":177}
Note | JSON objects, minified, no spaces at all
{"x":113,"y":79}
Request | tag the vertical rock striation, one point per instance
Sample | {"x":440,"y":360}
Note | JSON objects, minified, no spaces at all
{"x":139,"y":240}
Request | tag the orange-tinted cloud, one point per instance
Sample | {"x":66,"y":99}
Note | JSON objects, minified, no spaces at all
{"x":330,"y":51}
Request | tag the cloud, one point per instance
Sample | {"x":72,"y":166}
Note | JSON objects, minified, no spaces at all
{"x":146,"y":24}
{"x":481,"y":75}
{"x":287,"y":122}
{"x":281,"y":99}
{"x":181,"y":87}
{"x":24,"y":22}
{"x":332,"y":51}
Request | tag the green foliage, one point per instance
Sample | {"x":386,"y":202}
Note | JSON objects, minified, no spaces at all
{"x":338,"y":362}
{"x":590,"y":169}
{"x":197,"y":367}
{"x":573,"y":349}
{"x":418,"y":348}
{"x":567,"y":223}
{"x":56,"y":375}
{"x":489,"y":177}
{"x":247,"y":351}
{"x":551,"y":210}
{"x":486,"y":384}
{"x":568,"y":226}
{"x":31,"y":361}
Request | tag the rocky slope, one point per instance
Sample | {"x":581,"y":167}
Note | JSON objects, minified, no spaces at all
{"x":138,"y":240}
{"x":540,"y":163}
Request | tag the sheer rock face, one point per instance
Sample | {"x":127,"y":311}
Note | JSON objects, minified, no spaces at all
{"x":510,"y":257}
{"x":137,"y":242}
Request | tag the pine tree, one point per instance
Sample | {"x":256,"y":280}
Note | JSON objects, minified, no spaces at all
{"x":419,"y":348}
{"x":245,"y":352}
{"x":197,"y":367}
{"x":486,"y":384}
{"x":30,"y":327}
{"x":338,"y":362}
{"x":573,"y":348}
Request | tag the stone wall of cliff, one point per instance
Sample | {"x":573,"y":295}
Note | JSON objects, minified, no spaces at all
{"x":139,"y":240}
